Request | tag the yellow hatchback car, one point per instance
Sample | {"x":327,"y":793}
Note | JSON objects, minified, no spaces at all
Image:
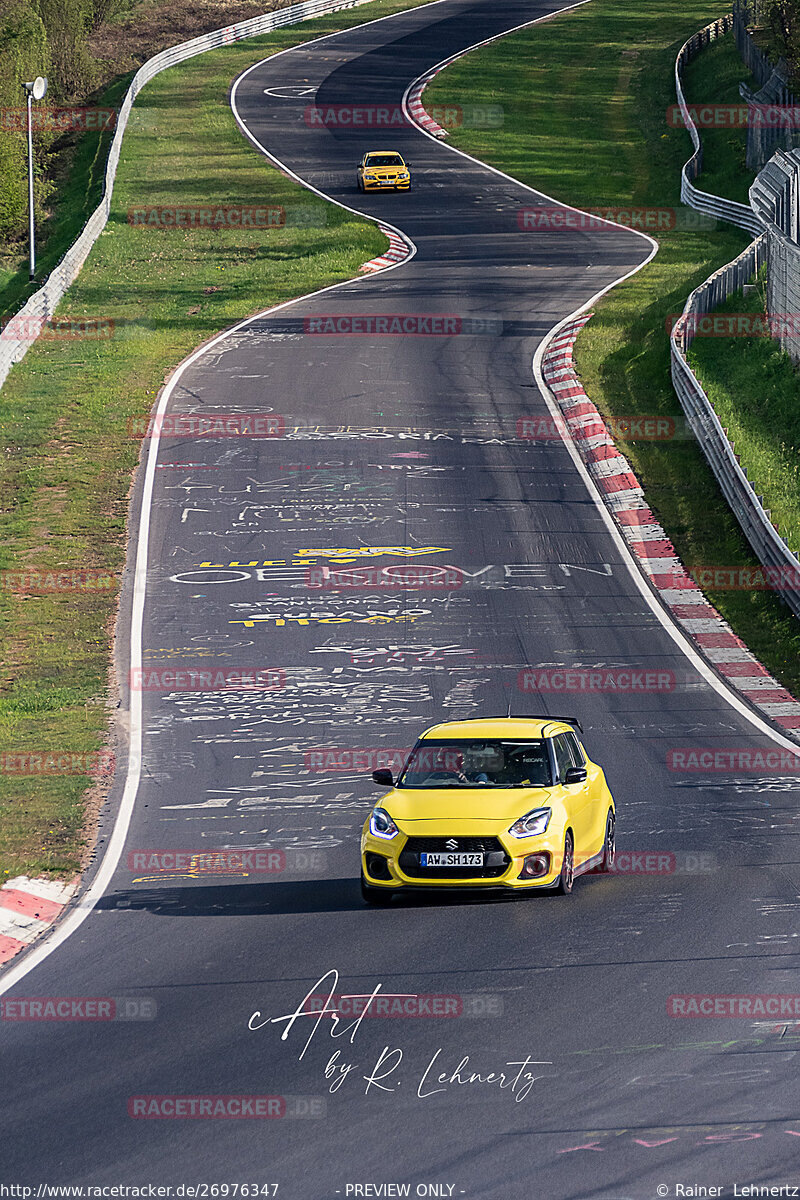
{"x":382,"y":169}
{"x":503,"y":802}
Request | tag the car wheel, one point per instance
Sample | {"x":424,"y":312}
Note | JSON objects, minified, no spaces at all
{"x":375,"y":895}
{"x":360,"y":185}
{"x":609,"y":846}
{"x":567,"y":876}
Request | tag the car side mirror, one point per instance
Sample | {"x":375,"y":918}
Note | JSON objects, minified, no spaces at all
{"x":385,"y":778}
{"x":575,"y":775}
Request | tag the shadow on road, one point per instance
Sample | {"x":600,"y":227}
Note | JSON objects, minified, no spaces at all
{"x":192,"y":898}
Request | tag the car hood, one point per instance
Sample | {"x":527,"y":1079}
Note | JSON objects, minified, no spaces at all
{"x":384,"y":170}
{"x":464,"y":804}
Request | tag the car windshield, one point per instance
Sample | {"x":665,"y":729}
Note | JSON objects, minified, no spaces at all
{"x":468,"y":763}
{"x":384,"y":160}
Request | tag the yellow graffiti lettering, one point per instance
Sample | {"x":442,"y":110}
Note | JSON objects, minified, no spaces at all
{"x":345,"y":554}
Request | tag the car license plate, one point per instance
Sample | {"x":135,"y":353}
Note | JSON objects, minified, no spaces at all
{"x":451,"y":859}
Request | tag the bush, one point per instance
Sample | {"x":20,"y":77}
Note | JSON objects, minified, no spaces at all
{"x":68,"y":23}
{"x":23,"y":56}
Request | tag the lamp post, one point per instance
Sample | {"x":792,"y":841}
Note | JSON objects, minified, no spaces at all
{"x":36,"y":91}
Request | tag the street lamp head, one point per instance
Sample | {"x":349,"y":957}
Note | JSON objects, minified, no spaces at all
{"x":37,"y":88}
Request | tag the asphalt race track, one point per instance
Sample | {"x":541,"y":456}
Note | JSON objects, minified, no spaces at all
{"x":407,"y":446}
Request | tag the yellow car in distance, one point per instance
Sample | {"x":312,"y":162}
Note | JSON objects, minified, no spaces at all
{"x":382,"y":169}
{"x":502,"y":802}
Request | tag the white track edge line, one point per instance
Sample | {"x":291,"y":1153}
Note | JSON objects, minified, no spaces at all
{"x":654,"y":602}
{"x":111,"y":857}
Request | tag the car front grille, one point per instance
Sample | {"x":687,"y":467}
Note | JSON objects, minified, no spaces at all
{"x":495,"y":862}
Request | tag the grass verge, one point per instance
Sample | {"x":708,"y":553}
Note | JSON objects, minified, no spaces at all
{"x":585,"y":97}
{"x":67,"y":460}
{"x":755,"y":390}
{"x":76,"y":166}
{"x":716,"y":73}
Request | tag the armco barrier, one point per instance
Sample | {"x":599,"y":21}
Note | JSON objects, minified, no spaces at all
{"x":43,"y":303}
{"x":770,"y":548}
{"x":715,"y":206}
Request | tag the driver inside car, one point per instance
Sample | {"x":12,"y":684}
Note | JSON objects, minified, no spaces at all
{"x":481,"y":765}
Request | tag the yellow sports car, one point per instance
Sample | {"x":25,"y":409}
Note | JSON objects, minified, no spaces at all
{"x":380,"y":169}
{"x":503,"y":802}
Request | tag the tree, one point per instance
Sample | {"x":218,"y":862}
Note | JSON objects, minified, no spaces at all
{"x":783,"y":20}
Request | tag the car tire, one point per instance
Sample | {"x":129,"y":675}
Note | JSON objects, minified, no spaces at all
{"x":360,"y":185}
{"x":609,"y":846}
{"x":375,"y":895}
{"x":567,"y":877}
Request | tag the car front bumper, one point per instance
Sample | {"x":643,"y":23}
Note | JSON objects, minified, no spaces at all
{"x":381,"y":185}
{"x":401,"y":875}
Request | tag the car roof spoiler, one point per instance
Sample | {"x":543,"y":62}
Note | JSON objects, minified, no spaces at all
{"x":544,"y":717}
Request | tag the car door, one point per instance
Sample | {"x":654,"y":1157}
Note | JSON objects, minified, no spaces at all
{"x":577,"y":798}
{"x":596,"y":810}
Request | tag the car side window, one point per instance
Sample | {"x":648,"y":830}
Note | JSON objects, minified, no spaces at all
{"x":563,"y":755}
{"x":578,"y":759}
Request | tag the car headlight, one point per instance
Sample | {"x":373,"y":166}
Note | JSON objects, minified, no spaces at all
{"x":404,"y":174}
{"x":371,"y":178}
{"x":533,"y":823}
{"x":381,"y":824}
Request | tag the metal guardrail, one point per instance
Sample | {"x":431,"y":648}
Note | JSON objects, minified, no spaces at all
{"x":782,"y":566}
{"x":715,"y":206}
{"x":42,"y":304}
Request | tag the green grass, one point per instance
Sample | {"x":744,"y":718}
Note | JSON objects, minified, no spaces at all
{"x":585,"y":98}
{"x":717,"y":72}
{"x":67,"y":459}
{"x":755,"y":391}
